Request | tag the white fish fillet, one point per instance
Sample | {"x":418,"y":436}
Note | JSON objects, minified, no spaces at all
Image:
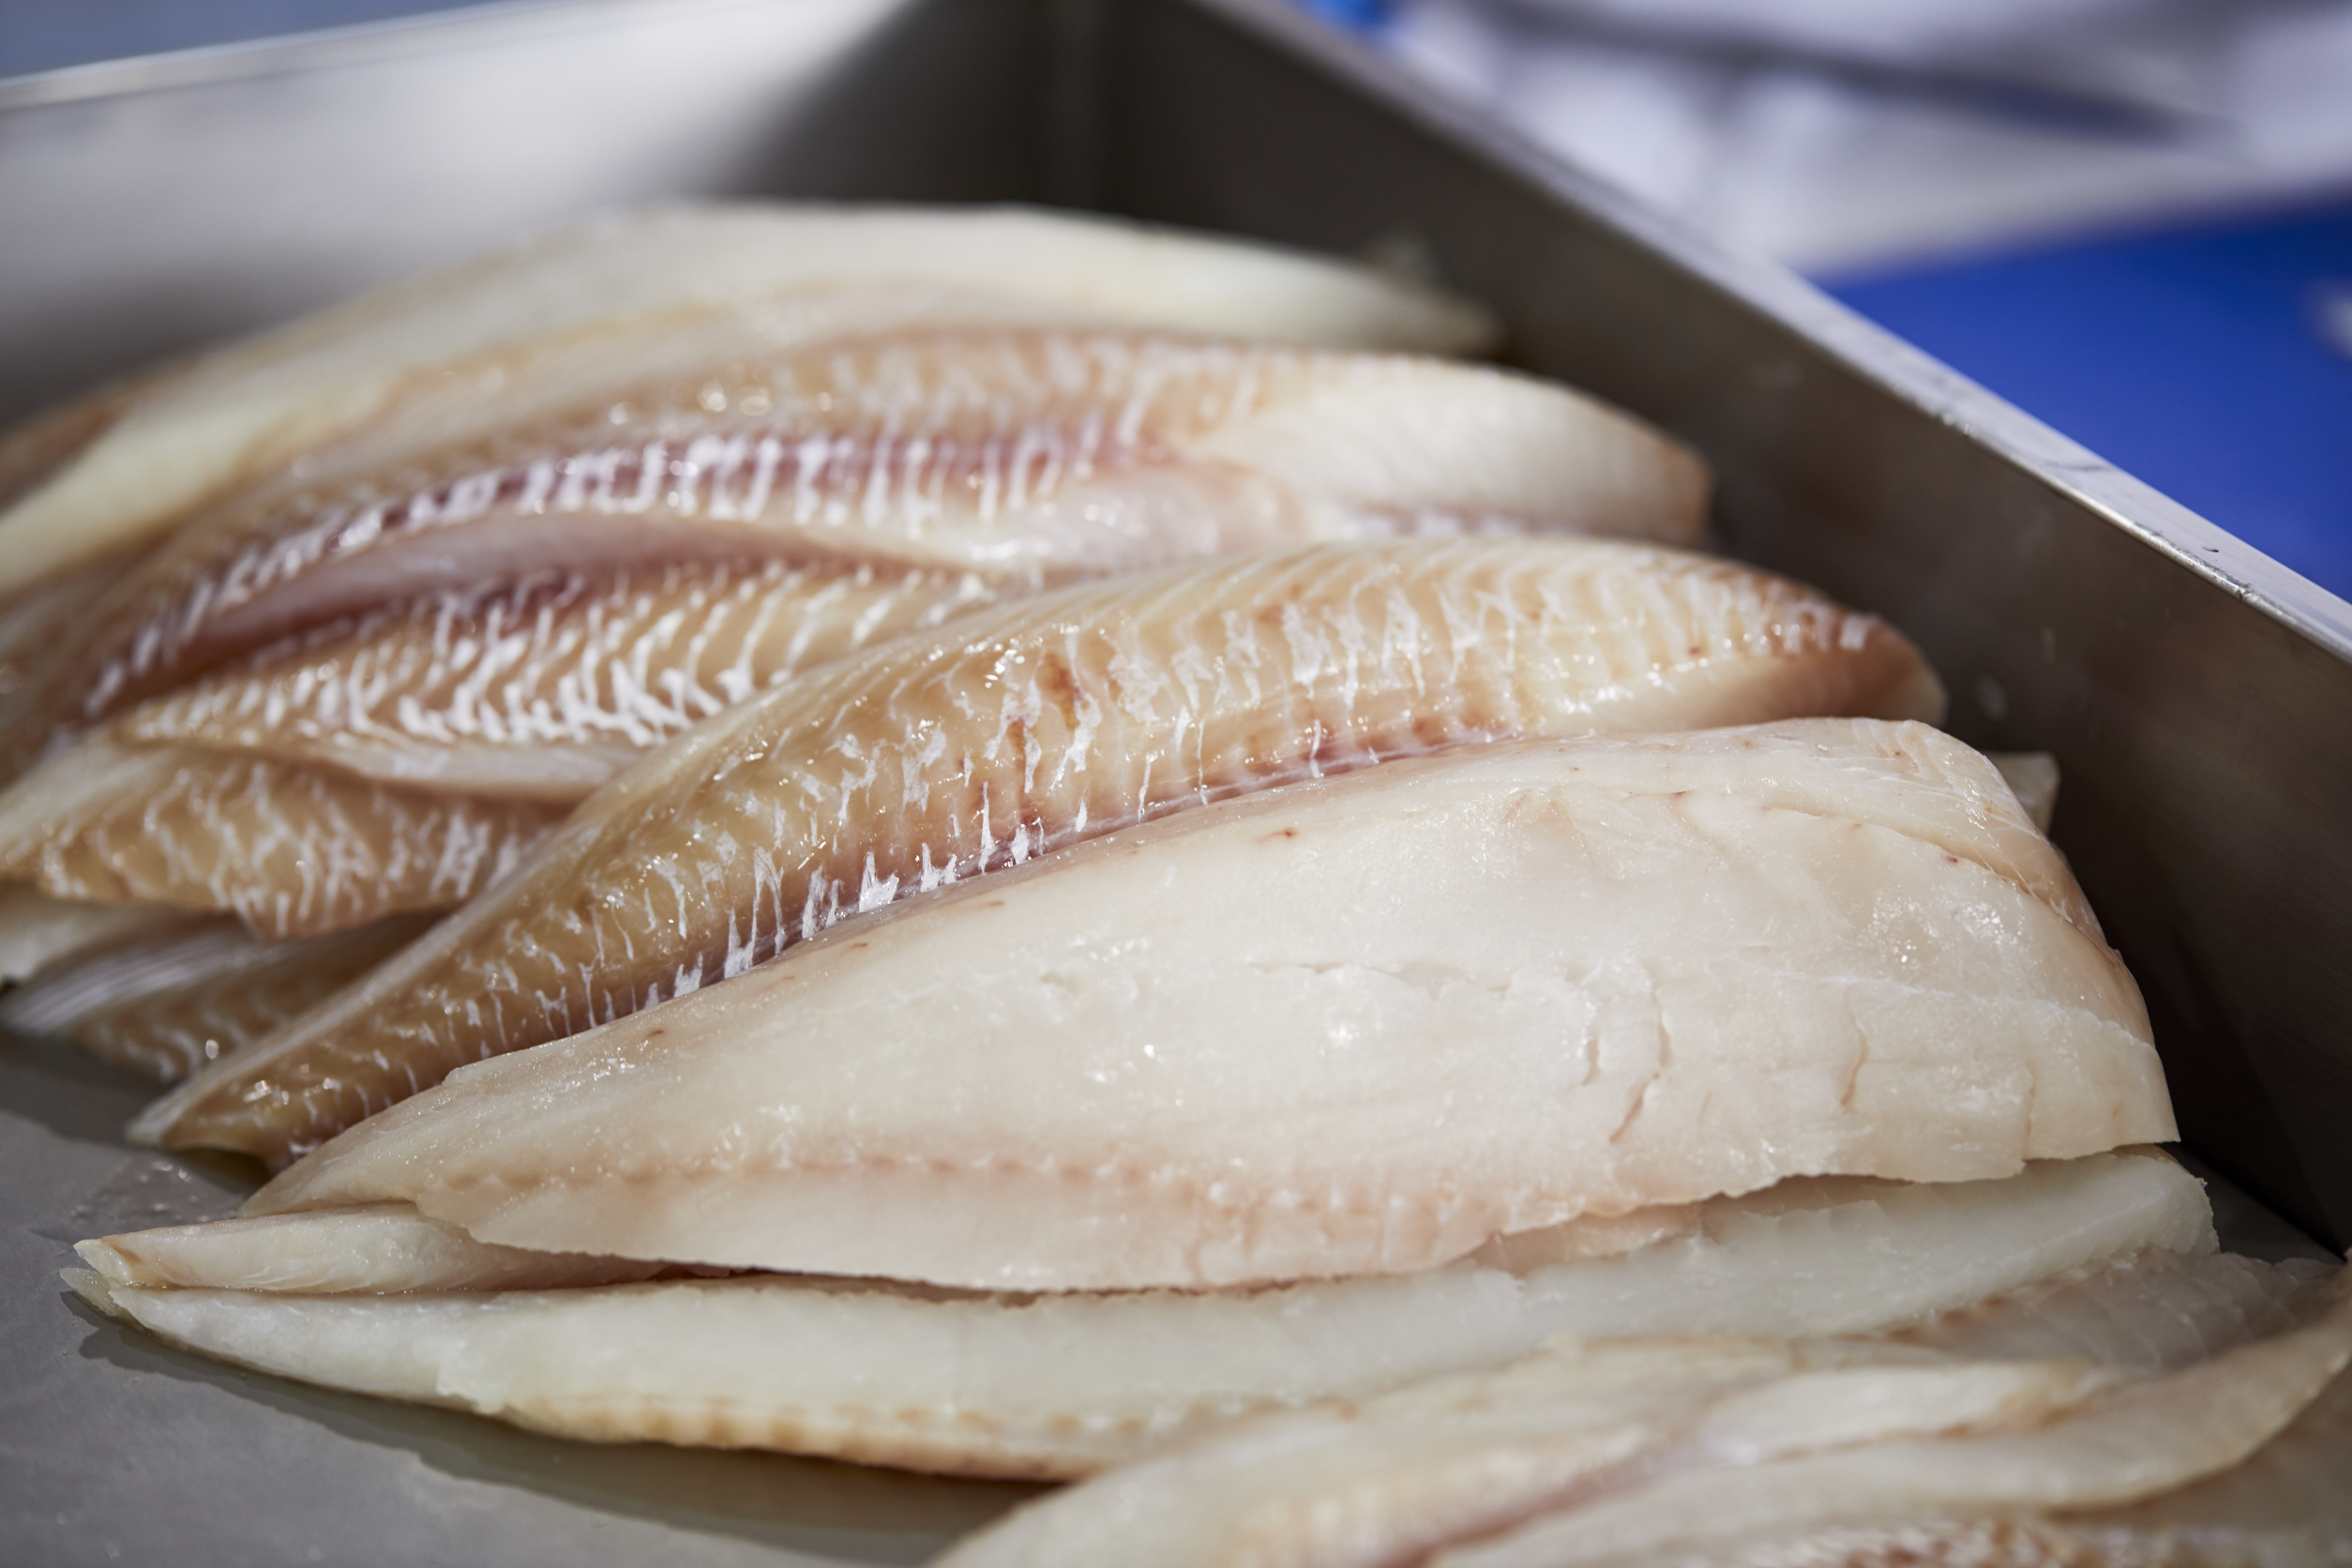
{"x":263,"y":400}
{"x":1647,"y":1451}
{"x":1028,"y":454}
{"x":1353,"y":1026}
{"x":2133,"y":1443}
{"x":1065,"y":1385}
{"x":164,"y":1005}
{"x":39,"y":932}
{"x":1014,"y":731}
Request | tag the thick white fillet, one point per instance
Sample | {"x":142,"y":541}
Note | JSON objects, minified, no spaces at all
{"x":1013,"y":732}
{"x":262,"y":400}
{"x":1064,"y":1385}
{"x":1357,"y":1025}
{"x":1649,"y":1450}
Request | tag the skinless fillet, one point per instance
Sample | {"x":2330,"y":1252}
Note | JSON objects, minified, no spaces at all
{"x":1026,"y":454}
{"x":115,"y":475}
{"x":1648,"y":1451}
{"x":1068,"y":1385}
{"x":931,"y":758}
{"x":38,"y":934}
{"x":164,"y":1006}
{"x":1354,"y":1026}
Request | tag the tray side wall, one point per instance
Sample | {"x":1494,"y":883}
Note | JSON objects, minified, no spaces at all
{"x":2206,"y":745}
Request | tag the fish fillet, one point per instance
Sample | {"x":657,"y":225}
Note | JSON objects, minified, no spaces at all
{"x":1568,"y":1453}
{"x":1014,"y":731}
{"x":38,"y":934}
{"x":257,"y":403}
{"x":1067,"y":1384}
{"x":164,"y":1006}
{"x":290,"y":850}
{"x":1024,"y":454}
{"x":1353,"y":1026}
{"x":543,"y":689}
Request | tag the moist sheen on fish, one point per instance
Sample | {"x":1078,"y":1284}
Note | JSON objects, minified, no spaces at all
{"x":1028,"y":454}
{"x":1010,"y":733}
{"x":117,"y":466}
{"x":1358,"y":1025}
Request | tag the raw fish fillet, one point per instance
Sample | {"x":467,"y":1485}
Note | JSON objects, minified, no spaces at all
{"x":115,"y":475}
{"x":165,"y":1007}
{"x":38,"y":934}
{"x":1020,"y":730}
{"x":1650,"y":1451}
{"x":1068,"y":1385}
{"x":1027,"y":454}
{"x":545,"y":688}
{"x":290,"y":850}
{"x":485,"y":716}
{"x":1355,"y":1026}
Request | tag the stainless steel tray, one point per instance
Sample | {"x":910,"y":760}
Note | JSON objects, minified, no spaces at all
{"x":2199,"y":695}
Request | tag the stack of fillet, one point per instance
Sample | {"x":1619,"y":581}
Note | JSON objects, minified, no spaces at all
{"x":1067,"y":859}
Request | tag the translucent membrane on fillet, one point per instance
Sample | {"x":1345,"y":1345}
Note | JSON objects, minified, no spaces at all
{"x":1068,"y":1385}
{"x":1353,"y":1026}
{"x":115,"y":476}
{"x":1026,"y":454}
{"x":167,"y":1005}
{"x":1017,"y":731}
{"x":290,"y":850}
{"x":1662,"y":1450}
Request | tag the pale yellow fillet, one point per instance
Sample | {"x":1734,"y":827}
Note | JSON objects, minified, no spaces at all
{"x":166,"y":1005}
{"x":1026,"y":454}
{"x":289,"y":850}
{"x":1014,"y":731}
{"x":1066,"y":1385}
{"x":1358,"y":1025}
{"x":1650,"y":1451}
{"x":261,"y":401}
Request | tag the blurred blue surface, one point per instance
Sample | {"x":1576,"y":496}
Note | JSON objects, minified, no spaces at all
{"x":2198,"y":359}
{"x":48,"y":35}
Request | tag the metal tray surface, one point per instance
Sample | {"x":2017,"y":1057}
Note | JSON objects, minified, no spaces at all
{"x":2199,"y":697}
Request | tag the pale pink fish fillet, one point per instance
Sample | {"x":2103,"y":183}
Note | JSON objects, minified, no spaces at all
{"x":166,"y":1006}
{"x":289,"y":850}
{"x":546,"y":687}
{"x":1025,"y":453}
{"x":236,"y":413}
{"x":1018,"y":729}
{"x":1357,"y":1025}
{"x":1070,"y":1384}
{"x":1645,"y":1451}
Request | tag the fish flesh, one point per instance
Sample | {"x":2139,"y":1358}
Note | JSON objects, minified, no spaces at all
{"x":109,"y":472}
{"x":1066,"y":1385}
{"x":1645,"y":1451}
{"x":166,"y":1005}
{"x":1011,"y":733}
{"x":1027,"y":454}
{"x":289,"y":851}
{"x":40,"y":934}
{"x":1358,"y":1025}
{"x":546,"y":687}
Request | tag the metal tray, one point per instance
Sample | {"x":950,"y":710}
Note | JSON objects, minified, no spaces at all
{"x":2198,"y":696}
